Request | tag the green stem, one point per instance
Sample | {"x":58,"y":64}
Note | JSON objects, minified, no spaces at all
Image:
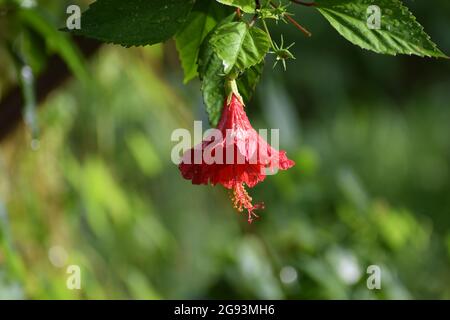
{"x":268,"y":34}
{"x":232,"y":88}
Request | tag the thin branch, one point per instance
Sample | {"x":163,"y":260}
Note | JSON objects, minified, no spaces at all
{"x":295,"y":23}
{"x":268,"y":34}
{"x":238,"y":13}
{"x":257,"y":7}
{"x":299,"y":26}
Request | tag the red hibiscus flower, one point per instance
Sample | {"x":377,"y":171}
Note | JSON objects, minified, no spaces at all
{"x":234,"y":155}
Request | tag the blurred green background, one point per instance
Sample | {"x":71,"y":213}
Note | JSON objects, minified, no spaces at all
{"x":370,"y":135}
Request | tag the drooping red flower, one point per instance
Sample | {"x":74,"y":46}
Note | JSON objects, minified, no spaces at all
{"x":234,"y":156}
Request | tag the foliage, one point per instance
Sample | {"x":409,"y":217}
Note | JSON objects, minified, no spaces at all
{"x":204,"y":17}
{"x":240,"y":44}
{"x":369,"y":135}
{"x":248,"y":6}
{"x":135,"y":23}
{"x":399,"y":31}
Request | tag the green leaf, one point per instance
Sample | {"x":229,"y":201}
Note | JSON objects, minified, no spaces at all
{"x":239,"y":46}
{"x":202,"y":19}
{"x":399,"y":32}
{"x":247,"y":6}
{"x":248,"y":80}
{"x":213,"y":86}
{"x":210,"y":69}
{"x":134,"y":22}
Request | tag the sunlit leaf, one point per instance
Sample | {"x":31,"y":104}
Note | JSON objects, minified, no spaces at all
{"x":397,"y":32}
{"x":203,"y":18}
{"x":134,"y":23}
{"x":248,"y":6}
{"x":239,"y":46}
{"x":211,"y":72}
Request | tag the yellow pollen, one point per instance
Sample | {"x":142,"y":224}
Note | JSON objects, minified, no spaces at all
{"x":241,"y":200}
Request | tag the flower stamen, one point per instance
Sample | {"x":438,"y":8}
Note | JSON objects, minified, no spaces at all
{"x":242,"y":200}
